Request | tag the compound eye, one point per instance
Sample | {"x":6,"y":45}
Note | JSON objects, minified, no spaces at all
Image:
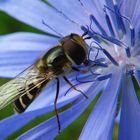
{"x":75,"y":52}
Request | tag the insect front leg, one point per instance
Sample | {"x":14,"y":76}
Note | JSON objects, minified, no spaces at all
{"x":86,"y":63}
{"x":78,"y":70}
{"x":55,"y":103}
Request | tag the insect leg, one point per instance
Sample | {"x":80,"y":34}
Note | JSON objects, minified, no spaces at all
{"x":55,"y":102}
{"x":66,"y":79}
{"x":81,"y":71}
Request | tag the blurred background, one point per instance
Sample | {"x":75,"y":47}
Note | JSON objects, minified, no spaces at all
{"x":10,"y":25}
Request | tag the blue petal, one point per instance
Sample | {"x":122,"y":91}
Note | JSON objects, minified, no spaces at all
{"x":136,"y":22}
{"x":136,"y":13}
{"x":101,"y":121}
{"x":34,"y":12}
{"x":20,"y":50}
{"x":137,"y":76}
{"x":18,"y":121}
{"x":129,"y":6}
{"x":130,"y":113}
{"x":49,"y":129}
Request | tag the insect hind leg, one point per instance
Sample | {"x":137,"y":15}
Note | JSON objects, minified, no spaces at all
{"x":55,"y":103}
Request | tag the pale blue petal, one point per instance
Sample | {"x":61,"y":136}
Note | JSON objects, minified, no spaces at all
{"x":133,"y":11}
{"x":101,"y":121}
{"x":19,"y":50}
{"x":32,"y":12}
{"x":49,"y":129}
{"x":128,"y":7}
{"x":130,"y":113}
{"x":14,"y":41}
{"x":76,"y":14}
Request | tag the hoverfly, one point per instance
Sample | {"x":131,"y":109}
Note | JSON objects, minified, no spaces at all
{"x":56,"y":62}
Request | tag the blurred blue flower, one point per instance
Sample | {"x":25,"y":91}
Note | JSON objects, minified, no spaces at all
{"x":114,"y":28}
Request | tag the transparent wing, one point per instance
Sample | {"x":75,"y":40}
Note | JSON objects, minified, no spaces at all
{"x":19,"y":86}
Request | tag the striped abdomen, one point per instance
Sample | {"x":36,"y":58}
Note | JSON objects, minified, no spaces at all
{"x":31,"y":92}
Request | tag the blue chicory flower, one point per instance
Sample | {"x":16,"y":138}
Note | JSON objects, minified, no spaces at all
{"x":114,"y":28}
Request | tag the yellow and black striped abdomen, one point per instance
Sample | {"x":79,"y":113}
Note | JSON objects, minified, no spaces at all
{"x":31,"y":92}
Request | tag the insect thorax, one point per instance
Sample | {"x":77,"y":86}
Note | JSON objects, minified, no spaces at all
{"x":54,"y":60}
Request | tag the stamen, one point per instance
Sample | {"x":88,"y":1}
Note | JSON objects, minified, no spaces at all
{"x":92,"y":18}
{"x":104,"y":77}
{"x":74,"y":87}
{"x":108,"y":21}
{"x":84,"y":81}
{"x":90,"y":34}
{"x":110,"y":57}
{"x":130,"y":72}
{"x":96,"y":54}
{"x":100,"y":60}
{"x":90,"y":49}
{"x":106,"y":53}
{"x":81,"y":3}
{"x":97,"y":62}
{"x":89,"y":54}
{"x":132,"y":32}
{"x":98,"y":37}
{"x":94,"y":73}
{"x":130,"y":69}
{"x":128,"y":53}
{"x":119,"y":20}
{"x":102,"y":65}
{"x":120,"y":24}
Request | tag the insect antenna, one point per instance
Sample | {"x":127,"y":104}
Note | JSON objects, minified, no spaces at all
{"x":86,"y":33}
{"x":105,"y":52}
